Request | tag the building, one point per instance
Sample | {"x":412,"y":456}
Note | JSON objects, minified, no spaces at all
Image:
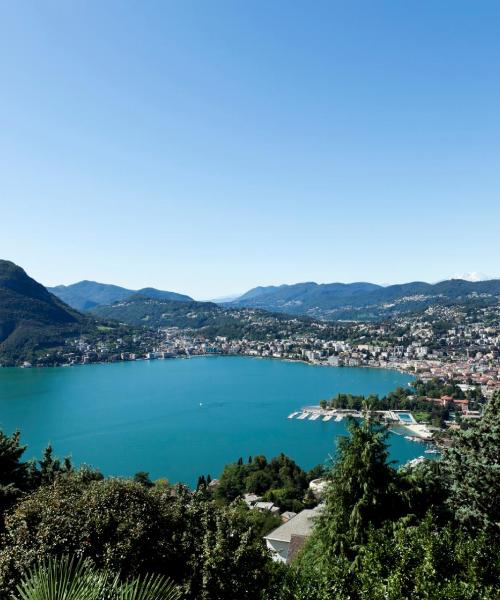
{"x":285,"y":541}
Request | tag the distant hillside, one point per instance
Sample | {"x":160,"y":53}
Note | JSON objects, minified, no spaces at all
{"x":86,"y":295}
{"x":208,"y":318}
{"x":31,"y":318}
{"x":365,"y":301}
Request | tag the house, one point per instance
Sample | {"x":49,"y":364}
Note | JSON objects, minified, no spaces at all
{"x":285,"y":541}
{"x":251,"y":499}
{"x":462,"y":404}
{"x":267,"y":506}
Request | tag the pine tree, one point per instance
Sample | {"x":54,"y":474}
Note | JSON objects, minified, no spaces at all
{"x":362,"y":492}
{"x":14,"y":474}
{"x":472,"y":465}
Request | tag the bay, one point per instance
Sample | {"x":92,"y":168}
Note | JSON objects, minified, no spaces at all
{"x":179,"y":418}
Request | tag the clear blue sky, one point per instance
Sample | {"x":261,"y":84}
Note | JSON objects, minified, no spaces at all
{"x":207,"y":147}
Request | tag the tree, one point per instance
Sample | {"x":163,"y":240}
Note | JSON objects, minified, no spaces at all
{"x":142,"y":477}
{"x":423,"y":561}
{"x":51,"y":467}
{"x":14,"y":474}
{"x":226,"y":558}
{"x":362,"y":492}
{"x":472,"y":464}
{"x":119,"y":525}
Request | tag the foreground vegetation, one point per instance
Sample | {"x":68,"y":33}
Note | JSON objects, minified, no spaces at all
{"x":428,"y":532}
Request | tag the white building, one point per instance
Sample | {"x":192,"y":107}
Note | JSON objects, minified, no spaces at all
{"x":285,"y":541}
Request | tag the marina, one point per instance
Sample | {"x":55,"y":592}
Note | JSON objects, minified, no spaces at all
{"x":402,"y":419}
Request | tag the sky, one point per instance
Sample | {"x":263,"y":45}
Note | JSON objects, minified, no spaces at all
{"x":209,"y":147}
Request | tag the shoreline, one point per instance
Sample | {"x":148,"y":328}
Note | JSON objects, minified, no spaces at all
{"x":216,"y":355}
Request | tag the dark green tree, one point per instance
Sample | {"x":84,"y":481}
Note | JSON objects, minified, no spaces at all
{"x":363,"y":492}
{"x":472,"y":465}
{"x":14,"y":474}
{"x":143,"y":478}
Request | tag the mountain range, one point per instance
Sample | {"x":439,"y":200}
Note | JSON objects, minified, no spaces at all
{"x":329,"y":301}
{"x":341,"y":301}
{"x":86,"y":295}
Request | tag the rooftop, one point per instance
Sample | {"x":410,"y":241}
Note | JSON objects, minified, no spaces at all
{"x":300,"y":525}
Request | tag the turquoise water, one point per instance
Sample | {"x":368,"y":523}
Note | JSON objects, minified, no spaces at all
{"x":180,"y":418}
{"x":406,"y":417}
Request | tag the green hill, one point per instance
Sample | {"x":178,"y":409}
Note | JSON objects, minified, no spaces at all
{"x":209,"y":319}
{"x":31,"y":318}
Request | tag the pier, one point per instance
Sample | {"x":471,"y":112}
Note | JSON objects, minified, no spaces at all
{"x":399,"y":418}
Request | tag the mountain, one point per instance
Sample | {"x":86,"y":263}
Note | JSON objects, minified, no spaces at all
{"x":366,"y":301}
{"x":86,"y":295}
{"x":31,"y":318}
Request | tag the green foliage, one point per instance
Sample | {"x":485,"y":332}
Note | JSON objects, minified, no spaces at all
{"x":32,"y":319}
{"x":472,"y":465}
{"x":363,"y":492}
{"x":125,"y":527}
{"x":14,"y":474}
{"x":424,"y":561}
{"x":280,"y":481}
{"x":69,"y":579}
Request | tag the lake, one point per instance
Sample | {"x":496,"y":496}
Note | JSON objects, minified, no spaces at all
{"x":180,"y":418}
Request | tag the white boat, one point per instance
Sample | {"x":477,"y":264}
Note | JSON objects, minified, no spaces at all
{"x":294,"y":414}
{"x":314,"y":416}
{"x":328,"y":417}
{"x":303,"y":416}
{"x":338,"y":418}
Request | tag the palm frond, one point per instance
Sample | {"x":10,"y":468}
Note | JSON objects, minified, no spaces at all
{"x":149,"y":587}
{"x":62,"y":579}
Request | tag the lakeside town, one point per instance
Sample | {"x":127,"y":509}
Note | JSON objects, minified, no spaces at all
{"x":467,"y":352}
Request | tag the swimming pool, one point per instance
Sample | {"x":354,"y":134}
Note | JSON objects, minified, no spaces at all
{"x":405,"y":417}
